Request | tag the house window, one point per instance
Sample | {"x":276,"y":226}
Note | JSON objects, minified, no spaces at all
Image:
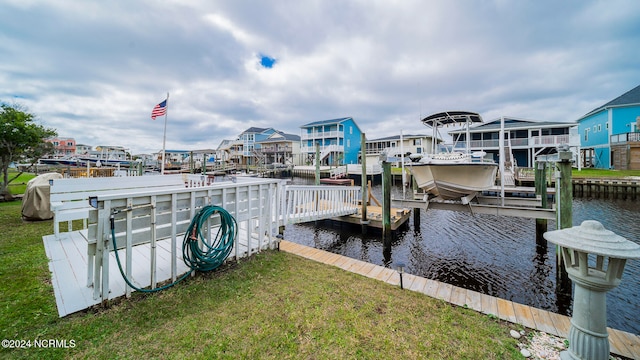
{"x":348,"y":143}
{"x":350,"y":130}
{"x":417,"y":142}
{"x":599,"y":127}
{"x":586,"y":134}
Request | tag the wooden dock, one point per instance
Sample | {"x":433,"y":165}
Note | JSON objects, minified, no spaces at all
{"x":622,"y":343}
{"x":68,"y":265}
{"x":374,"y":216}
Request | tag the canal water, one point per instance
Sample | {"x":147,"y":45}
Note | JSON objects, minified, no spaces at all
{"x":494,"y":255}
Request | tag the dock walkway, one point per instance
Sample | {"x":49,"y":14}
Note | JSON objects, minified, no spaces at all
{"x":622,"y":343}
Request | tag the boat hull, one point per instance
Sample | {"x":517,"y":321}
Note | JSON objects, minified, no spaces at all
{"x":454,"y":181}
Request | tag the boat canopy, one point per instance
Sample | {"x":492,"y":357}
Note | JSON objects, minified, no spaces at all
{"x":451,"y":117}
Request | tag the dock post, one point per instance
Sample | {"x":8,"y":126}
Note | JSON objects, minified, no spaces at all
{"x":564,"y":204}
{"x":363,"y":183}
{"x":565,"y":195}
{"x":541,"y":191}
{"x":386,"y":203}
{"x":416,"y":210}
{"x":317,"y":164}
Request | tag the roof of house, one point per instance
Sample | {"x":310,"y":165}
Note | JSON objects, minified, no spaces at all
{"x":280,"y":136}
{"x":514,"y":123}
{"x":327,"y":122}
{"x":630,"y":97}
{"x":254,"y":129}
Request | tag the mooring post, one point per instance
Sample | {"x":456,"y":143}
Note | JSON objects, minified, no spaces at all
{"x":565,"y":197}
{"x":541,"y":191}
{"x":386,"y":202}
{"x":317,"y":164}
{"x":564,"y":205}
{"x":363,"y":182}
{"x":416,"y":210}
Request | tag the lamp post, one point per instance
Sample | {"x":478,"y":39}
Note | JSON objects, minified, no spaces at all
{"x":594,"y":259}
{"x":400,"y":268}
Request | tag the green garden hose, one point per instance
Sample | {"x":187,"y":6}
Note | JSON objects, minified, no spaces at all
{"x":197,"y":255}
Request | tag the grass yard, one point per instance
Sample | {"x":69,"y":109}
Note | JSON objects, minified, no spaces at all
{"x":273,"y":305}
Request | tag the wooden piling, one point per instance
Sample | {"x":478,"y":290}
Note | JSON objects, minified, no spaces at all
{"x":317,"y":164}
{"x":541,"y":191}
{"x":363,"y":183}
{"x":386,"y":202}
{"x":564,"y":203}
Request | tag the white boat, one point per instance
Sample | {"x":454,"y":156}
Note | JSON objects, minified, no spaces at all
{"x":454,"y":175}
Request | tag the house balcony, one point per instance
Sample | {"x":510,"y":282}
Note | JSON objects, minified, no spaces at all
{"x":322,"y":135}
{"x":532,"y":142}
{"x":625,"y":138}
{"x":323,"y":149}
{"x":275,"y":149}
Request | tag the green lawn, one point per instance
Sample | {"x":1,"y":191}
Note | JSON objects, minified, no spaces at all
{"x":273,"y":305}
{"x":19,"y":185}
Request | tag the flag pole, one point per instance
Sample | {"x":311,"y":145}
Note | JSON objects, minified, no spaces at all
{"x":164,"y":137}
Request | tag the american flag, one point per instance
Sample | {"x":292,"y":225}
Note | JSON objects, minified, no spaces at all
{"x":159,"y":110}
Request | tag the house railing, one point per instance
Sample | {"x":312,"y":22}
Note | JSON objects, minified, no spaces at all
{"x":534,"y":141}
{"x":625,"y":138}
{"x":322,"y":134}
{"x":312,"y":149}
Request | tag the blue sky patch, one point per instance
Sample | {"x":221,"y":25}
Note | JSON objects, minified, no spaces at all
{"x":267,"y":61}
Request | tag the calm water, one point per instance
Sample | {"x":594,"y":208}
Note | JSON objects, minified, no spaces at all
{"x":494,"y":255}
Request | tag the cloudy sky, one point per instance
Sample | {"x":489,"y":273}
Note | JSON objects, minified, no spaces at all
{"x":94,"y":70}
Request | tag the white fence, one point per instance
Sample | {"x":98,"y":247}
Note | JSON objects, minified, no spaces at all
{"x":310,"y":203}
{"x":159,"y":217}
{"x":149,"y":224}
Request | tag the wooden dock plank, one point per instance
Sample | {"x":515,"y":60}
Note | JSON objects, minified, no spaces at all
{"x":366,"y":269}
{"x":459,"y":296}
{"x":543,"y":321}
{"x":506,"y":311}
{"x":489,"y":305}
{"x":444,"y":291}
{"x":474,"y":300}
{"x":632,"y":343}
{"x":431,"y":288}
{"x":524,"y":315}
{"x":562,"y":324}
{"x":616,"y":343}
{"x":375,"y":272}
{"x":408,"y":280}
{"x":417,"y":284}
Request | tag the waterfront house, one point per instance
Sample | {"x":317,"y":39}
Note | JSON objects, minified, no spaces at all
{"x":223,"y":151}
{"x":63,"y":146}
{"x":242,"y":149}
{"x":525,"y":139}
{"x":610,"y":134}
{"x":392,"y":146}
{"x":280,"y":148}
{"x":338,"y":141}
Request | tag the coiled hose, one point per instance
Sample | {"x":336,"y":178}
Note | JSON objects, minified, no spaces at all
{"x":197,"y":255}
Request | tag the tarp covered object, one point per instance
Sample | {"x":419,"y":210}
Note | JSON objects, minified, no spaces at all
{"x":35,"y":203}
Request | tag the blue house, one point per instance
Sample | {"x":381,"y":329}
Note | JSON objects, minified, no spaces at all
{"x":242,"y":149}
{"x":610,"y":134}
{"x":338,"y":139}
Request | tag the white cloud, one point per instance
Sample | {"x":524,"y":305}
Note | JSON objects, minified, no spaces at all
{"x":93,"y":70}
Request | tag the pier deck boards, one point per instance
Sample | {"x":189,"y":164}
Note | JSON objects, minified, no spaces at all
{"x":68,"y":266}
{"x":621,"y":342}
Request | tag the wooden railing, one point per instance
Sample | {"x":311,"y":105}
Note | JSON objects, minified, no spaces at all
{"x":160,"y":217}
{"x":310,"y":203}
